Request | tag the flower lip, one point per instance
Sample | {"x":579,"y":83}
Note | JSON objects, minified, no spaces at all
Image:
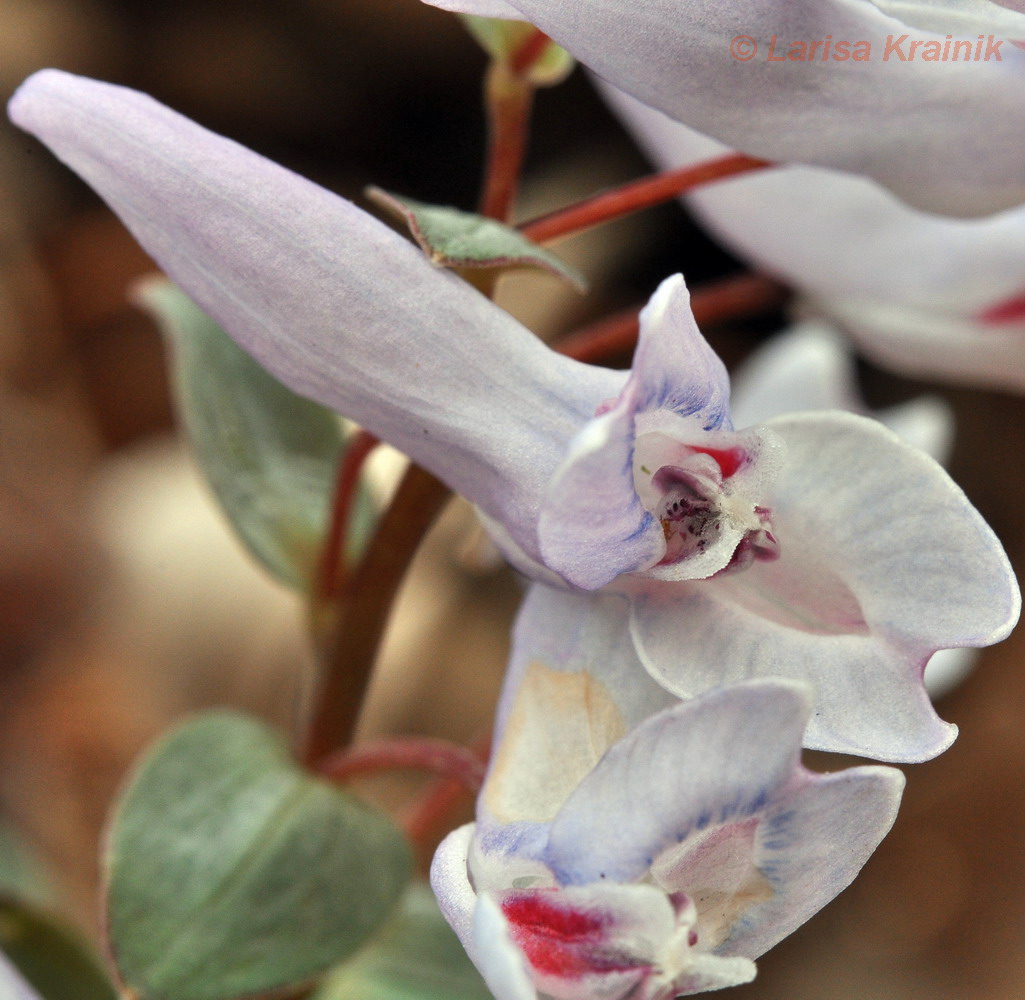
{"x":709,"y":500}
{"x":565,"y":940}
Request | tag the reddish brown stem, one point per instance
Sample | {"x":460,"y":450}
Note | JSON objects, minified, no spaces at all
{"x":609,"y":338}
{"x":420,"y":753}
{"x":431,"y":815}
{"x":508,"y":98}
{"x":332,"y":560}
{"x":731,"y":298}
{"x":636,"y":195}
{"x":351,"y":641}
{"x":737,"y":297}
{"x":529,"y":52}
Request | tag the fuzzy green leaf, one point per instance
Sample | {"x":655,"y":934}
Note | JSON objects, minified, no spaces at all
{"x":269,"y":455}
{"x":418,"y":957}
{"x":452,"y":238}
{"x":231,"y":873}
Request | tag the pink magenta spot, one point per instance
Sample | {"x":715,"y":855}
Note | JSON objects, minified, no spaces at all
{"x":1011,"y":310}
{"x":559,"y":940}
{"x":728,"y":459}
{"x":539,"y":909}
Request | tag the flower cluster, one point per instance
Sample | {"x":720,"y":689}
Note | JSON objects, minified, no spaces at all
{"x":705,"y":600}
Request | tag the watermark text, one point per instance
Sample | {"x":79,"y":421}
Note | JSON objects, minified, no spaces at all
{"x":896,"y":48}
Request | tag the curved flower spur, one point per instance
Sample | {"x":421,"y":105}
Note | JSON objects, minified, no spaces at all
{"x":623,"y":853}
{"x":819,"y":547}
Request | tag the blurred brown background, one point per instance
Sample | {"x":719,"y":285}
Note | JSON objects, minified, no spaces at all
{"x":124,"y":603}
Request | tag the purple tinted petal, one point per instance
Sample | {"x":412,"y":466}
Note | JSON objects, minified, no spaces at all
{"x":332,"y":302}
{"x":593,"y":525}
{"x":811,"y":847}
{"x":717,"y":759}
{"x":674,"y":367}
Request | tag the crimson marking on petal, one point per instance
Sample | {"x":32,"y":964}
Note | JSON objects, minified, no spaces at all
{"x":1008,"y":311}
{"x":559,"y":940}
{"x":728,"y":459}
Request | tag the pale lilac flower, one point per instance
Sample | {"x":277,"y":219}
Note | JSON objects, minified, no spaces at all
{"x":943,"y":133}
{"x":817,"y":547}
{"x":927,"y":296}
{"x":626,"y":847}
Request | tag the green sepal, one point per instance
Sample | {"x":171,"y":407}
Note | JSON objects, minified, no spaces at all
{"x":417,"y":957}
{"x":269,"y":455}
{"x":51,"y":957}
{"x":503,"y":39}
{"x":232,"y":873}
{"x":456,"y":239}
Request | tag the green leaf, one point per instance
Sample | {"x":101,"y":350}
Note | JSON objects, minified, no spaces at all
{"x":51,"y":957}
{"x":418,"y":957}
{"x":452,"y":238}
{"x":269,"y":455}
{"x":503,"y":39}
{"x":230,"y":872}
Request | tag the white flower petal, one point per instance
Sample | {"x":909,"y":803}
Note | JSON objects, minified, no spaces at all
{"x":910,"y":287}
{"x":943,"y":134}
{"x":883,"y":562}
{"x":574,"y":687}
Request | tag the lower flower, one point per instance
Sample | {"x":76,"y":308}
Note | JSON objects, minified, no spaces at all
{"x":694,"y":844}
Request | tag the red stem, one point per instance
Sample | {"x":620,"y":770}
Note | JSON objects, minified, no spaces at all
{"x":332,"y":561}
{"x":432,"y":812}
{"x":731,"y":298}
{"x":529,"y":52}
{"x":508,"y":99}
{"x":350,"y":644}
{"x":448,"y":760}
{"x":636,"y":195}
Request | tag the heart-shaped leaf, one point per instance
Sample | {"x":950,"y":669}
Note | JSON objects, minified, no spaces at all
{"x":230,"y":872}
{"x":452,"y":238}
{"x":418,"y":957}
{"x":269,"y":455}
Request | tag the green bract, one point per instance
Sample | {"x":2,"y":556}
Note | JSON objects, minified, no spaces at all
{"x":452,"y":238}
{"x":269,"y":455}
{"x":230,"y":872}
